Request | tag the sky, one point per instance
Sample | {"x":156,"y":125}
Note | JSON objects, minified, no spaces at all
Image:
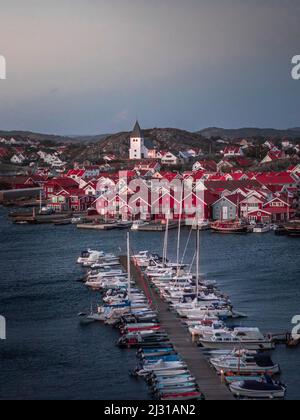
{"x":95,"y":66}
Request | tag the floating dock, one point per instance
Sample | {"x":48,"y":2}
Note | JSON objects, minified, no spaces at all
{"x":33,"y":218}
{"x":157,"y":227}
{"x":207,"y":379}
{"x":97,"y":226}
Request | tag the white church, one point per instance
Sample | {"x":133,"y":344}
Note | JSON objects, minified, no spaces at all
{"x":140,"y":148}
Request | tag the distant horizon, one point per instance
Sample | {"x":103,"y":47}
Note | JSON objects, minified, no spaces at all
{"x":86,"y":66}
{"x":148,"y":128}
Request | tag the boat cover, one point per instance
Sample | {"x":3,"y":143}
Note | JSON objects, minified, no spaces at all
{"x":260,"y":386}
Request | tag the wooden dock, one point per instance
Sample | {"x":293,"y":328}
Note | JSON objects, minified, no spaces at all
{"x":97,"y":226}
{"x":157,"y":227}
{"x":207,"y":379}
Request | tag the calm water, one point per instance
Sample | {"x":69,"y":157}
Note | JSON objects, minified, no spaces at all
{"x":48,"y":355}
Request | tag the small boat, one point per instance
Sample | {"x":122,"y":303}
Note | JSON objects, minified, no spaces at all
{"x":184,"y":388}
{"x":189,"y":396}
{"x":239,"y":378}
{"x":230,"y":227}
{"x":280,"y":231}
{"x":124,"y":225}
{"x":293,"y":228}
{"x":262,"y":228}
{"x":245,"y":338}
{"x":138,"y":224}
{"x":251,"y":365}
{"x":259,"y":388}
{"x":202,"y":225}
{"x":76,"y":220}
{"x":167,"y":381}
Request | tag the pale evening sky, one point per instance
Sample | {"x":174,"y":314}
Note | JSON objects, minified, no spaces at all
{"x":93,"y":66}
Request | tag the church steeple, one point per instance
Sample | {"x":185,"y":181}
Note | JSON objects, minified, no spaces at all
{"x":137,"y":132}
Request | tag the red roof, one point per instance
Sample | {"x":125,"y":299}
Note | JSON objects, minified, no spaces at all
{"x":276,"y":178}
{"x":76,"y":172}
{"x":235,"y":198}
{"x":208,"y":165}
{"x":63,"y":182}
{"x":275,"y":155}
{"x":3,"y":152}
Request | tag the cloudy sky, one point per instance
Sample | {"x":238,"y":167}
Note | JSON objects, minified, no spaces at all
{"x":93,"y":66}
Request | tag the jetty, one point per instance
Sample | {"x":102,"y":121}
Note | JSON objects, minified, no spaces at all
{"x":209,"y":383}
{"x":97,"y":226}
{"x":157,"y":227}
{"x":36,"y":218}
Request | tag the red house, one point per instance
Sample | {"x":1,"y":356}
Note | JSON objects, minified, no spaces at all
{"x":259,"y":216}
{"x":279,"y":209}
{"x":54,"y":186}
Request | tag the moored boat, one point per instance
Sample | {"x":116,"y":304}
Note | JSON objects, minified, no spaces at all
{"x":251,"y":365}
{"x":258,"y":389}
{"x":229,"y":227}
{"x":246,"y":338}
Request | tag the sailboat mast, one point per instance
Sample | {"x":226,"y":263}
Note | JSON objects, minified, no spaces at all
{"x":40,"y":201}
{"x":167,"y":239}
{"x":165,"y":251}
{"x":179,"y":232}
{"x":198,"y":262}
{"x":128,"y":266}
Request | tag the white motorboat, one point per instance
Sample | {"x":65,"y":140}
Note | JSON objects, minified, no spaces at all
{"x":138,"y":224}
{"x":246,"y":364}
{"x":105,"y":273}
{"x":203,"y":311}
{"x":265,"y":389}
{"x":91,"y":257}
{"x":207,"y":328}
{"x":162,"y":366}
{"x":246,"y":338}
{"x":202,"y":225}
{"x":86,"y":255}
{"x":262,"y":228}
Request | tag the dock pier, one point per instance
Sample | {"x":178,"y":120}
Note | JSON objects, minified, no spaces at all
{"x":207,"y":379}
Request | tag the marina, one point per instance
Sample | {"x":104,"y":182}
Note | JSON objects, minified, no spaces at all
{"x":153,"y":301}
{"x":150,"y":204}
{"x":213,"y":269}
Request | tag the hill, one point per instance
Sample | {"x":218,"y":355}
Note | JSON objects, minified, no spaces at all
{"x":249,"y":132}
{"x":163,"y":138}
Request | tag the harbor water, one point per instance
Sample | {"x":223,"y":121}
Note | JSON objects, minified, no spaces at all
{"x":49,"y":355}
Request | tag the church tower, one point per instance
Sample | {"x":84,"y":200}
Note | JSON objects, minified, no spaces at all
{"x":137,"y":144}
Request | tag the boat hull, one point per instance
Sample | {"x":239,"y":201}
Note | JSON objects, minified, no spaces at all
{"x":247,"y":345}
{"x":270,"y":370}
{"x":238,"y":391}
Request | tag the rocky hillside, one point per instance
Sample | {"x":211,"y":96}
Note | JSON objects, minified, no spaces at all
{"x":239,"y":133}
{"x":163,"y":138}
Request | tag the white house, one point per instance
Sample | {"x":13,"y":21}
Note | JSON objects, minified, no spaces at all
{"x":140,"y":148}
{"x":18,"y":159}
{"x":235,"y":151}
{"x":273,"y":156}
{"x":51,"y":159}
{"x":170,"y":158}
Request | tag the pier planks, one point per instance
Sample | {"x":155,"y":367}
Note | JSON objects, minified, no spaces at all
{"x":207,"y":379}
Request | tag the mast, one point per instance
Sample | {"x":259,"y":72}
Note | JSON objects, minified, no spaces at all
{"x":165,"y":253}
{"x":179,"y":232}
{"x":128,"y":267}
{"x":198,"y":262}
{"x":40,"y":201}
